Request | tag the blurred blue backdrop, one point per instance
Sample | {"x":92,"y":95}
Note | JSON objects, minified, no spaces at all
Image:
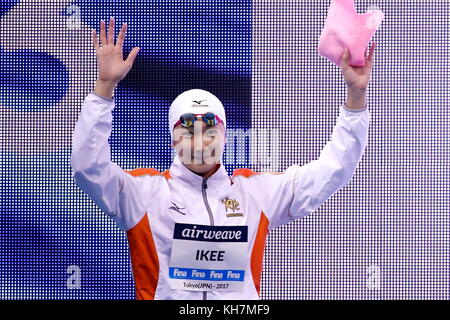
{"x":48,"y":225}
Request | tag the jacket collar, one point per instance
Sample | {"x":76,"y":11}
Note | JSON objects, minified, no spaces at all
{"x":218,"y":179}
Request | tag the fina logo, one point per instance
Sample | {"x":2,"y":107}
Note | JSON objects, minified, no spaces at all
{"x":198,"y":103}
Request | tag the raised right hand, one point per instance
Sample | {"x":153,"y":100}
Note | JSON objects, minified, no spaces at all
{"x":111,"y":66}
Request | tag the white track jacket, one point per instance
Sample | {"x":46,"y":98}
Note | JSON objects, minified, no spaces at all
{"x":191,"y":238}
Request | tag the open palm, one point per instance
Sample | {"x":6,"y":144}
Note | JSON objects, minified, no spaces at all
{"x":112,"y":67}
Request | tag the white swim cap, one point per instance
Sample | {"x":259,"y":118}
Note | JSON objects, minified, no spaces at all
{"x":196,"y":101}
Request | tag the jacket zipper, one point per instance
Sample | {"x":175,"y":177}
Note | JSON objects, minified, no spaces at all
{"x":205,"y":199}
{"x":211,"y":218}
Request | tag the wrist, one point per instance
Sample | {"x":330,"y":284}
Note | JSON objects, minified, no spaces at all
{"x":356,"y":91}
{"x":356,"y":99}
{"x":105,"y":88}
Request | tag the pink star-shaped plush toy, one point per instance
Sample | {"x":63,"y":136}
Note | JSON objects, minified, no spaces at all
{"x":346,"y":28}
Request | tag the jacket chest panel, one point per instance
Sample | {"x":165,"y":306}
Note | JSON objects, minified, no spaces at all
{"x":211,"y":206}
{"x":234,"y":207}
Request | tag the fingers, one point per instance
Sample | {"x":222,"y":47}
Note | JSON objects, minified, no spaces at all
{"x":110,"y":38}
{"x":121,"y":36}
{"x":344,"y":60}
{"x":103,"y":39}
{"x":132,"y":55}
{"x":111,"y":30}
{"x":372,"y":50}
{"x":95,"y":39}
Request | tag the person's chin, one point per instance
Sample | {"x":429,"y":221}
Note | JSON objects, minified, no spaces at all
{"x":201,"y":167}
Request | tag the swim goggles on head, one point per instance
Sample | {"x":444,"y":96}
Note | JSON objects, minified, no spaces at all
{"x":187,"y":119}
